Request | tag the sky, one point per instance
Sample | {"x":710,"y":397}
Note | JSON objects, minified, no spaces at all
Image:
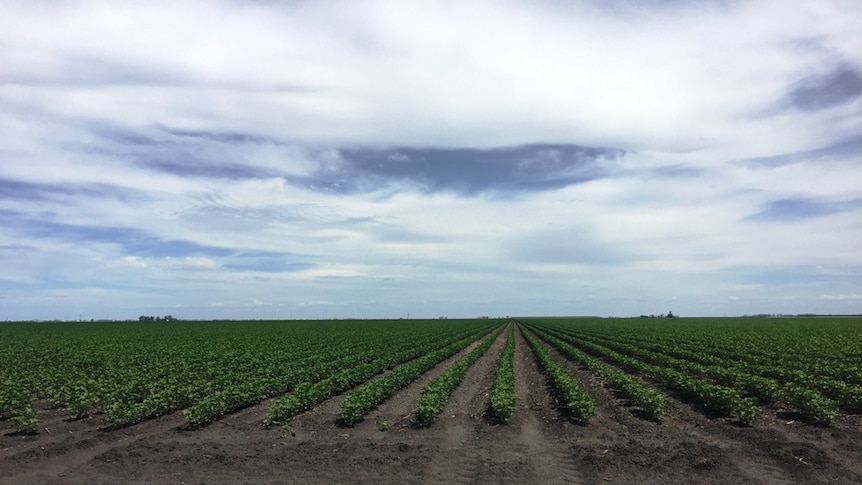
{"x":398,"y":159}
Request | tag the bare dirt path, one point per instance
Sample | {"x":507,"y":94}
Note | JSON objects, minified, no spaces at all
{"x":539,"y":444}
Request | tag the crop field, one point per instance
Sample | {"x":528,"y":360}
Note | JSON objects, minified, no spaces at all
{"x":552,"y":400}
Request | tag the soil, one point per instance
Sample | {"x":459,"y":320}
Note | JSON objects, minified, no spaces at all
{"x":539,"y":445}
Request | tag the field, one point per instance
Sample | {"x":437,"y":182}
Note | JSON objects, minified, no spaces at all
{"x":533,"y":400}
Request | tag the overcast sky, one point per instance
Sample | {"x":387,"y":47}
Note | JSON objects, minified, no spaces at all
{"x":262,"y":159}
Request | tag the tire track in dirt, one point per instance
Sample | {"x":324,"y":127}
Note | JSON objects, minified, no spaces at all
{"x":548,"y":458}
{"x":461,"y":421}
{"x":464,"y":463}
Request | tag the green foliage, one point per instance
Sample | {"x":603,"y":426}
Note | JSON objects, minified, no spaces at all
{"x":666,"y":358}
{"x":125,"y":373}
{"x":570,"y":395}
{"x":714,"y":397}
{"x":15,"y":406}
{"x":362,"y":400}
{"x":435,"y":394}
{"x":502,"y":399}
{"x":652,"y":402}
{"x":809,"y":365}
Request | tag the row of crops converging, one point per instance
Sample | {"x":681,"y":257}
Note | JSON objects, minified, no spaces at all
{"x":125,"y":373}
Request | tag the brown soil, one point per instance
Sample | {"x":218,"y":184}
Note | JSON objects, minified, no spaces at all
{"x":539,"y":444}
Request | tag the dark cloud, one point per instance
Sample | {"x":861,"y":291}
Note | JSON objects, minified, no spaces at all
{"x":466,"y":171}
{"x":678,"y":170}
{"x":190,"y":166}
{"x":841,"y":85}
{"x":841,"y":150}
{"x":117,"y":135}
{"x":136,"y":242}
{"x":796,"y":209}
{"x":219,"y":136}
{"x":17,"y":248}
{"x":186,"y":153}
{"x":30,"y":191}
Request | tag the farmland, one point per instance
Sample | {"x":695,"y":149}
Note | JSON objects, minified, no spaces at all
{"x":575,"y":400}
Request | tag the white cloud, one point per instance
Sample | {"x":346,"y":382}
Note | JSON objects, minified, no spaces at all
{"x":432,"y":73}
{"x":189,"y":153}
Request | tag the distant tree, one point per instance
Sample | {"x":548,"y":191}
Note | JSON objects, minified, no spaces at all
{"x":670,"y":314}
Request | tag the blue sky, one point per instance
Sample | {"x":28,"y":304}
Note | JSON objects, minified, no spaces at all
{"x":253,"y":159}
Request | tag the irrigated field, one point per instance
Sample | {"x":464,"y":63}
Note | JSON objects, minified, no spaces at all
{"x":538,"y":400}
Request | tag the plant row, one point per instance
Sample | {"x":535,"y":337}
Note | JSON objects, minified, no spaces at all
{"x":714,"y":397}
{"x":570,"y":395}
{"x":435,"y":395}
{"x":809,"y":403}
{"x":652,"y":402}
{"x":128,"y":372}
{"x":847,"y":394}
{"x":502,"y":399}
{"x":806,"y":349}
{"x":362,"y":400}
{"x":308,"y":394}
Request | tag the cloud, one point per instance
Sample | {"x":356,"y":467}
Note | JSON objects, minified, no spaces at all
{"x":138,"y":246}
{"x":797,"y":209}
{"x":189,"y":166}
{"x":466,"y":171}
{"x":30,"y":191}
{"x":421,"y":74}
{"x":17,"y":248}
{"x":434,"y":158}
{"x":842,"y":84}
{"x":133,"y":241}
{"x":843,"y":150}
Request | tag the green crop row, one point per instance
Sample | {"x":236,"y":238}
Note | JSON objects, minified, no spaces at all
{"x":437,"y":392}
{"x":502,"y":400}
{"x":809,"y":403}
{"x":368,"y":396}
{"x":15,"y":406}
{"x":571,"y":396}
{"x":309,"y":394}
{"x":266,"y":380}
{"x":720,"y":399}
{"x":789,"y":385}
{"x":123,"y":373}
{"x":652,"y":402}
{"x":804,"y":350}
